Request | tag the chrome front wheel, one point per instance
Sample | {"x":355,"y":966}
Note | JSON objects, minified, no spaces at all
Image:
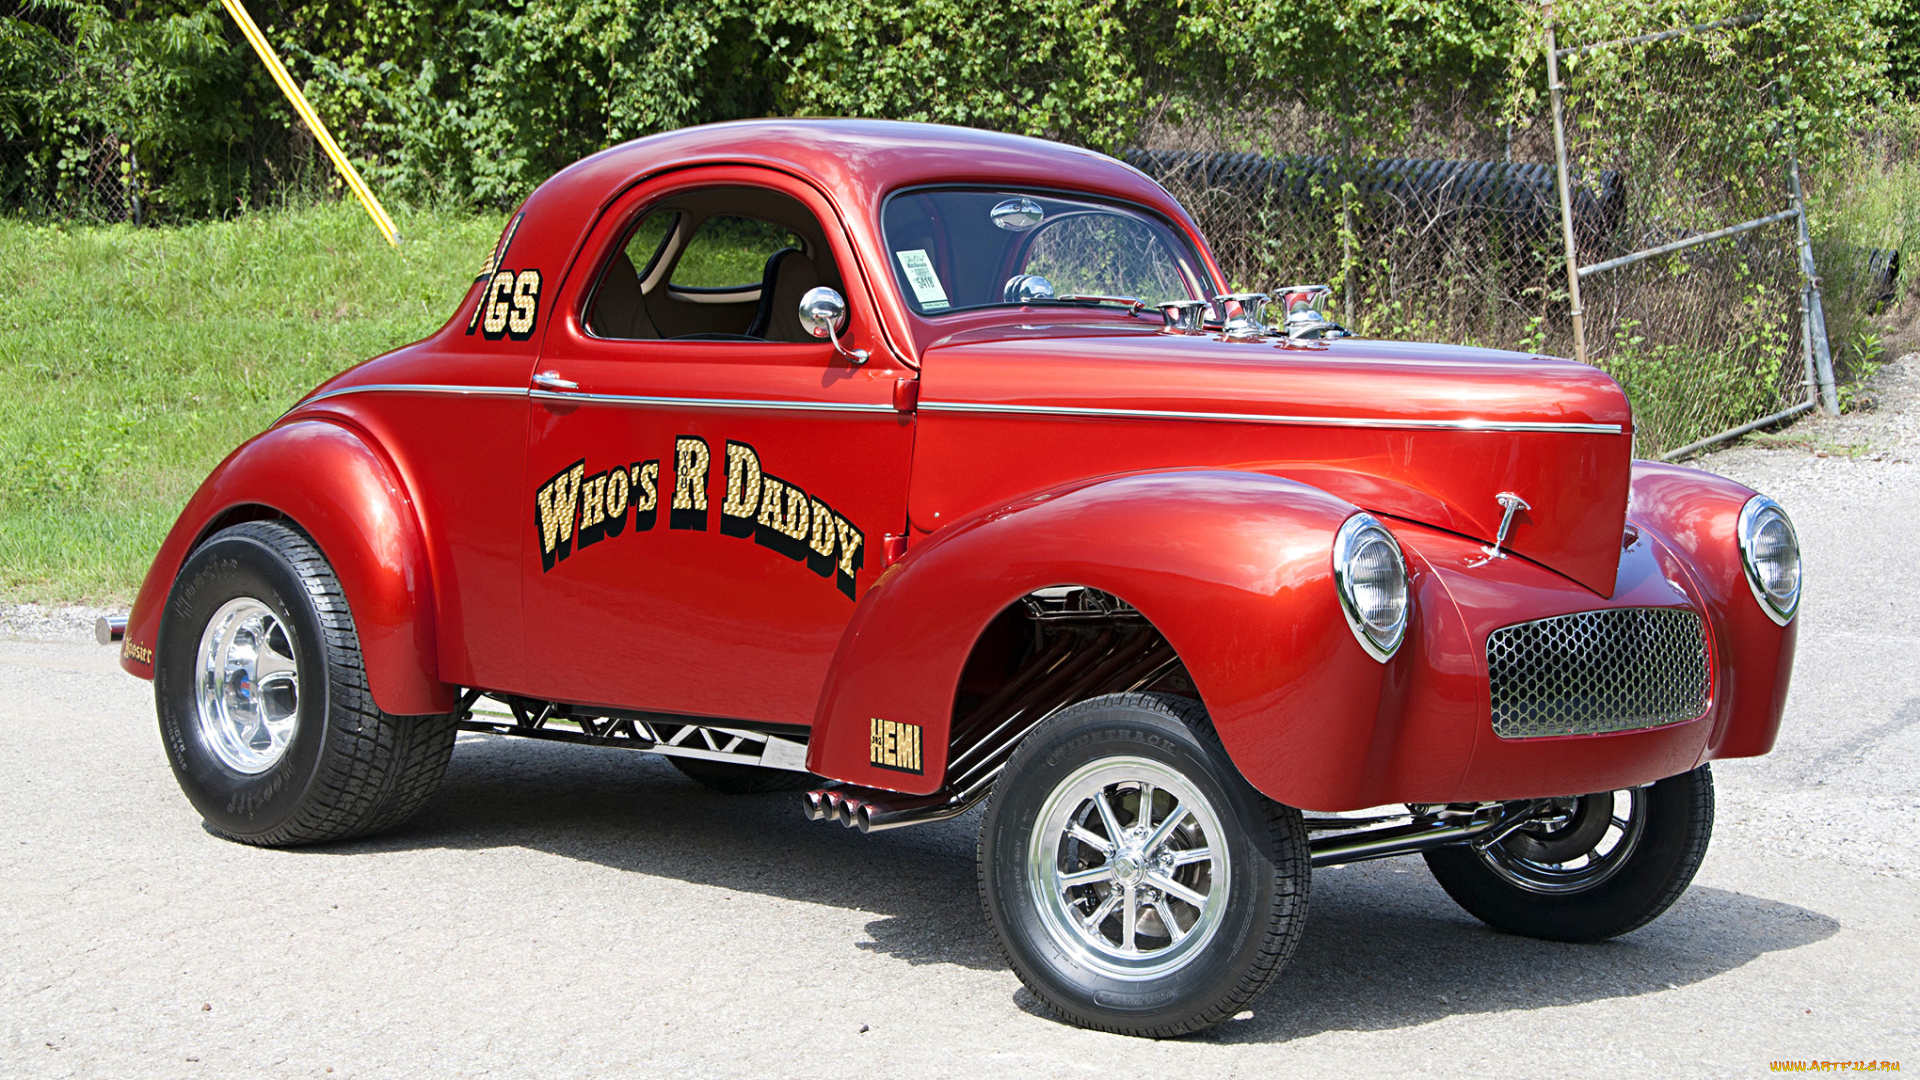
{"x":1573,"y":846}
{"x":1136,"y":881}
{"x":1591,"y":867}
{"x":1131,"y":868}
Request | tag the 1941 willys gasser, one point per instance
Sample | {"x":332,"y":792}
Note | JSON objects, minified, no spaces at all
{"x":910,"y":467}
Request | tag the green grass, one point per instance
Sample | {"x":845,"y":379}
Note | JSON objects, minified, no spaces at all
{"x":135,"y":359}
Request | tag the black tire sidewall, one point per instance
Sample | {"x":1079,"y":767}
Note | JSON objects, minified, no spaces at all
{"x":1658,"y":869}
{"x":227,"y":567}
{"x":1089,"y":996}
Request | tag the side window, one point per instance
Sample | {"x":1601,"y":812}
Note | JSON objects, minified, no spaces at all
{"x":649,"y":239}
{"x":716,"y":264}
{"x":731,"y":252}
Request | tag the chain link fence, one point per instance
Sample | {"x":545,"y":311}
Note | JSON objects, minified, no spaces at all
{"x":77,"y":105}
{"x":1705,"y":297}
{"x":81,"y":170}
{"x":1434,"y":213}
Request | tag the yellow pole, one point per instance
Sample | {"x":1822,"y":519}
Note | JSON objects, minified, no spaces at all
{"x":279,"y":72}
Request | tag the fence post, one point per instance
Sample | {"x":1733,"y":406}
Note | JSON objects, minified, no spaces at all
{"x":1554,"y":90}
{"x":1347,"y":310}
{"x":1816,"y":336}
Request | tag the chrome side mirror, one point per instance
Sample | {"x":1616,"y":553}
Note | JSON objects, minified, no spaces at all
{"x":823,"y":314}
{"x":1026,"y":288}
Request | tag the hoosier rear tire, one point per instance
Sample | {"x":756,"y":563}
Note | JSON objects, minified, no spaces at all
{"x":263,"y":701}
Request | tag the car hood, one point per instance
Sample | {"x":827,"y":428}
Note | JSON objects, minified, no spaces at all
{"x":1429,"y":433}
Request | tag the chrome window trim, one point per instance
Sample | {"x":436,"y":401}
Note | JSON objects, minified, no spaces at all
{"x":1744,"y":535}
{"x":1194,"y":242}
{"x":1266,"y":418}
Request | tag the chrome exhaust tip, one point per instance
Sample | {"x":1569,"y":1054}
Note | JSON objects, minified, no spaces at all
{"x":109,"y":628}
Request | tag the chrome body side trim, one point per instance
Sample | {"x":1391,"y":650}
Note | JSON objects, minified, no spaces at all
{"x":416,"y":388}
{"x":605,"y":399}
{"x":1266,"y":418}
{"x":711,"y":403}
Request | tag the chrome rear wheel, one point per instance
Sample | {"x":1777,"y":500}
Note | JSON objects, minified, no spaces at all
{"x":248,"y":686}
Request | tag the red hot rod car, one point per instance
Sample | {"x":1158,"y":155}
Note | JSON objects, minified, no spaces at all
{"x":911,"y":467}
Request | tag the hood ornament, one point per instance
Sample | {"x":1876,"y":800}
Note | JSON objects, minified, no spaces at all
{"x":1512,"y":504}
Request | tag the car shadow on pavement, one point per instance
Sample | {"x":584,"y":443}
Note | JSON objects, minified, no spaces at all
{"x":1384,"y":947}
{"x":636,"y":812}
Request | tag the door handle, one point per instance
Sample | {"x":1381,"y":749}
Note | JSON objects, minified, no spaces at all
{"x":551,"y":380}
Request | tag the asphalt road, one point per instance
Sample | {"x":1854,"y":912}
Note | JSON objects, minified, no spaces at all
{"x":562,"y":911}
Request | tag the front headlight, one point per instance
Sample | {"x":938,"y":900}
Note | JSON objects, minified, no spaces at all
{"x":1372,"y":581}
{"x":1770,"y":551}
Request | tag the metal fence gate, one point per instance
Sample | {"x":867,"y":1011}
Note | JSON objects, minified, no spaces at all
{"x":1677,"y":229}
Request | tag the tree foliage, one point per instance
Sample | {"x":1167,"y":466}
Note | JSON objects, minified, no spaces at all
{"x":475,"y":102}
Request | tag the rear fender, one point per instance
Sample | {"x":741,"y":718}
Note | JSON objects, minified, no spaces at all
{"x":333,"y":484}
{"x":1232,"y":568}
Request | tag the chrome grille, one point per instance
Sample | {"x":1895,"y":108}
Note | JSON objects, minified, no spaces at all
{"x":1597,"y":671}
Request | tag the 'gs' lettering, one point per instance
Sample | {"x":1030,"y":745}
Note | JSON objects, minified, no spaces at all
{"x":509,"y":306}
{"x":574,"y":511}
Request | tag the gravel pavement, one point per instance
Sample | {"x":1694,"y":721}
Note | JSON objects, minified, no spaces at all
{"x":571,"y":912}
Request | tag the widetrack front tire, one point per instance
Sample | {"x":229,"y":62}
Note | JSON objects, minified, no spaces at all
{"x":263,"y":701}
{"x":733,"y":778}
{"x":1231,"y":871}
{"x":1538,"y":883}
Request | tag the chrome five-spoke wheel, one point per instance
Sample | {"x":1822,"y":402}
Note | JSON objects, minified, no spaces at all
{"x":248,"y":686}
{"x":1127,"y":860}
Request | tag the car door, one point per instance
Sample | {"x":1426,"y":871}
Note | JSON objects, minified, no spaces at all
{"x":710,"y":487}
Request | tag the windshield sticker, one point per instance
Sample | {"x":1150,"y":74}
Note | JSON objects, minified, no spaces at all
{"x":926,"y":284}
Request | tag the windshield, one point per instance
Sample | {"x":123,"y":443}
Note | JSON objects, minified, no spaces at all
{"x":954,"y":250}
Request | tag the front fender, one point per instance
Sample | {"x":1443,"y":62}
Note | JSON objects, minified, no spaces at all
{"x":341,"y":490}
{"x":1232,"y":568}
{"x":1697,"y":514}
